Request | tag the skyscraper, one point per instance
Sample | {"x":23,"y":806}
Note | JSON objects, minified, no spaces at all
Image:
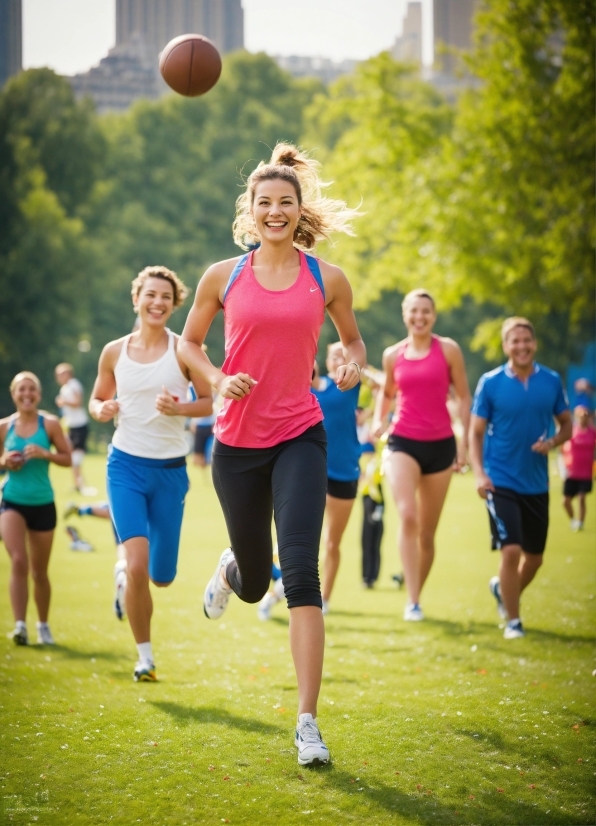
{"x":408,"y":47}
{"x":11,"y":36}
{"x":158,"y":21}
{"x":452,"y":26}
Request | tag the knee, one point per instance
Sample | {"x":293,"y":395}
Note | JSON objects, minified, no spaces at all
{"x":39,"y":577}
{"x":536,"y":561}
{"x":510,"y":555}
{"x":409,"y":518}
{"x":332,"y":548}
{"x":427,"y":542}
{"x":136,"y":571}
{"x":20,"y":566}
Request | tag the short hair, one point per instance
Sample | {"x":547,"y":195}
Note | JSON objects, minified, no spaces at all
{"x":63,"y":367}
{"x":516,"y":321}
{"x":25,"y":374}
{"x":181,"y":291}
{"x":417,"y":293}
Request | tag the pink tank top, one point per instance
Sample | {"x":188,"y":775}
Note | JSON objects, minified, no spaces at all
{"x":272,"y":336}
{"x":422,"y":387}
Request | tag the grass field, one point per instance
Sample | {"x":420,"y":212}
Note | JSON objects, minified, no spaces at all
{"x":442,"y":722}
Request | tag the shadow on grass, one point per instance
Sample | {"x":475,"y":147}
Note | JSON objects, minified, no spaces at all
{"x":456,"y":629}
{"x":209,"y":714}
{"x":76,"y":653}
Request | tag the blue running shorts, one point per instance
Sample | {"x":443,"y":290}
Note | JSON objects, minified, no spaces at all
{"x":147,"y":499}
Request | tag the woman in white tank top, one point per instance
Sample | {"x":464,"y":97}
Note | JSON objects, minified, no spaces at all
{"x":142,"y":381}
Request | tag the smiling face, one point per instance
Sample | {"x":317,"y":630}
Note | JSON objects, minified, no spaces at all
{"x":335,"y":358}
{"x":155,"y":302}
{"x":276,"y":210}
{"x":26,"y":396}
{"x":520,"y":347}
{"x":419,"y":316}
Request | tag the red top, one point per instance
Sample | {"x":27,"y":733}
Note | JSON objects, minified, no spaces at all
{"x":272,"y":335}
{"x":579,"y":452}
{"x":422,"y":387}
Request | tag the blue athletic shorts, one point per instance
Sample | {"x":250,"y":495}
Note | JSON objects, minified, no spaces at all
{"x":147,"y":499}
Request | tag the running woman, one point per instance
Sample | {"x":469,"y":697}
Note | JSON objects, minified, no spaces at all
{"x":269,"y":455}
{"x":513,"y":412}
{"x":422,"y":449}
{"x":143,"y":382}
{"x":579,"y":461}
{"x":28,"y":512}
{"x":70,"y":401}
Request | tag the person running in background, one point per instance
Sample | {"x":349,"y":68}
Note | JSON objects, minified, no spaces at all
{"x":513,"y":412}
{"x":71,"y":402}
{"x":28,"y":512}
{"x":269,"y":455}
{"x":373,"y":505}
{"x":422,"y":449}
{"x":578,"y":454}
{"x":584,"y":394}
{"x":146,"y":473}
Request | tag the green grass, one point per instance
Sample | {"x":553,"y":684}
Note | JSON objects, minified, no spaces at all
{"x":440,"y":722}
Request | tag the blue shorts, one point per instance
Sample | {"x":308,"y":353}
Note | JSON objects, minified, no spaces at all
{"x":147,"y":499}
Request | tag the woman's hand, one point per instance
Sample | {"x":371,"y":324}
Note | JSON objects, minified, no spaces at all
{"x":236,"y":387}
{"x":460,"y":463}
{"x":347,"y":376}
{"x":377,"y":428}
{"x":33,"y":451}
{"x":13,"y":460}
{"x":167,"y":404}
{"x":106,"y":411}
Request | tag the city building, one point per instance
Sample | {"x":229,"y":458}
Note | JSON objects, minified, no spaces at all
{"x":408,"y":47}
{"x":452,"y":28}
{"x":322,"y":67}
{"x":11,"y":39}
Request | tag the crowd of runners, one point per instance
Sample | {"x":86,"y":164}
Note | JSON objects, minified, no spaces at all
{"x":286,"y":444}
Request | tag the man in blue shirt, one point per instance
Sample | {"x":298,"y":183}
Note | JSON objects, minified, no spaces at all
{"x":512,"y":418}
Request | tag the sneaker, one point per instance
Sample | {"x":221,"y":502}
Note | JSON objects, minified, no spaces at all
{"x":326,"y":607}
{"x":413,"y":612}
{"x":495,"y":589}
{"x":77,"y":544}
{"x":19,"y":635}
{"x":513,"y":630}
{"x":576,"y":525}
{"x":265,"y":606}
{"x":398,"y":579}
{"x":44,"y":635}
{"x":120,"y":581}
{"x":71,"y":509}
{"x":311,"y":748}
{"x":215,"y":600}
{"x":145,"y":672}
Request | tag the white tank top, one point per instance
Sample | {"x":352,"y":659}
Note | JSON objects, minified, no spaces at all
{"x":142,"y":431}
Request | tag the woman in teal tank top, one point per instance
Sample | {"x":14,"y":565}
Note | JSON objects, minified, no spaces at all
{"x":28,"y":509}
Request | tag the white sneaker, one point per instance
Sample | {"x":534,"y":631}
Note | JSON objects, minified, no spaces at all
{"x":413,"y":612}
{"x":19,"y":635}
{"x":215,"y":600}
{"x":495,"y":589}
{"x":514,"y":630}
{"x":265,"y":606}
{"x":326,"y":607}
{"x":576,"y":525}
{"x":44,"y":635}
{"x":120,"y":595}
{"x":308,"y":741}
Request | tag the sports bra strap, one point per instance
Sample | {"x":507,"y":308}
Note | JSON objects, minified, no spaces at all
{"x":234,"y":274}
{"x":313,"y":266}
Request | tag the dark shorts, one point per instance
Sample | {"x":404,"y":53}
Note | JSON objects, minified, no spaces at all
{"x":571,"y":487}
{"x":78,"y":437}
{"x":342,"y":490}
{"x":37,"y":517}
{"x":433,"y":457}
{"x":203,"y":433}
{"x":518,"y":519}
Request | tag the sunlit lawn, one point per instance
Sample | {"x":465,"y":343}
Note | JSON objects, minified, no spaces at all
{"x":439,"y":722}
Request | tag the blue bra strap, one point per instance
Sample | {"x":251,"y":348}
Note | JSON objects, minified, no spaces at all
{"x":313,"y":266}
{"x":235,"y":273}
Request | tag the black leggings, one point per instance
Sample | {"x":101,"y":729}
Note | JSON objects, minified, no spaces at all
{"x":289,"y":481}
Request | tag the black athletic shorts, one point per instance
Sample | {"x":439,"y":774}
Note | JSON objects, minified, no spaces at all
{"x":203,"y":433}
{"x":571,"y":487}
{"x":518,"y":519}
{"x":78,"y":437}
{"x":37,"y":517}
{"x":342,"y":490}
{"x":433,"y":456}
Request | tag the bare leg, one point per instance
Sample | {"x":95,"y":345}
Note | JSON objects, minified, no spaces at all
{"x":14,"y":532}
{"x":77,"y":468}
{"x":337,"y":514}
{"x":568,"y":505}
{"x":510,"y":580}
{"x":582,"y":507}
{"x":307,"y":642}
{"x":431,"y":498}
{"x":139,"y":605}
{"x":40,"y":544}
{"x":527,"y":569}
{"x":404,"y":477}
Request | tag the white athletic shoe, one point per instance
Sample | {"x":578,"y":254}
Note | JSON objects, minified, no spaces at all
{"x":120,"y":582}
{"x":513,"y":630}
{"x":495,"y":589}
{"x":44,"y":635}
{"x":326,"y":607}
{"x":413,"y":612}
{"x":215,"y":600}
{"x":308,"y":741}
{"x":71,"y":509}
{"x":576,"y":525}
{"x":265,"y":606}
{"x":19,"y":635}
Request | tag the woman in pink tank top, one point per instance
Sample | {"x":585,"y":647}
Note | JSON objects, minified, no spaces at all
{"x":269,"y":454}
{"x":419,"y":372}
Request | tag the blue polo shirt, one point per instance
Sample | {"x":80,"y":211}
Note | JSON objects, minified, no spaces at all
{"x":518,"y":413}
{"x":339,"y":419}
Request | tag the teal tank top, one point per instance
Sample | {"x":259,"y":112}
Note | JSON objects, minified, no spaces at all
{"x":31,"y":484}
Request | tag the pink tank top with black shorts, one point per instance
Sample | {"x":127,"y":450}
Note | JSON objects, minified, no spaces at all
{"x":421,"y":425}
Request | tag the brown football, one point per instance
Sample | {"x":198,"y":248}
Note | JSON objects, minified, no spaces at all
{"x":190,"y":64}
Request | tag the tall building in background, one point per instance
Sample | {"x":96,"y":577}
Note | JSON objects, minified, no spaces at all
{"x":158,"y":21}
{"x":452,"y":26}
{"x":408,"y":47}
{"x":11,"y":39}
